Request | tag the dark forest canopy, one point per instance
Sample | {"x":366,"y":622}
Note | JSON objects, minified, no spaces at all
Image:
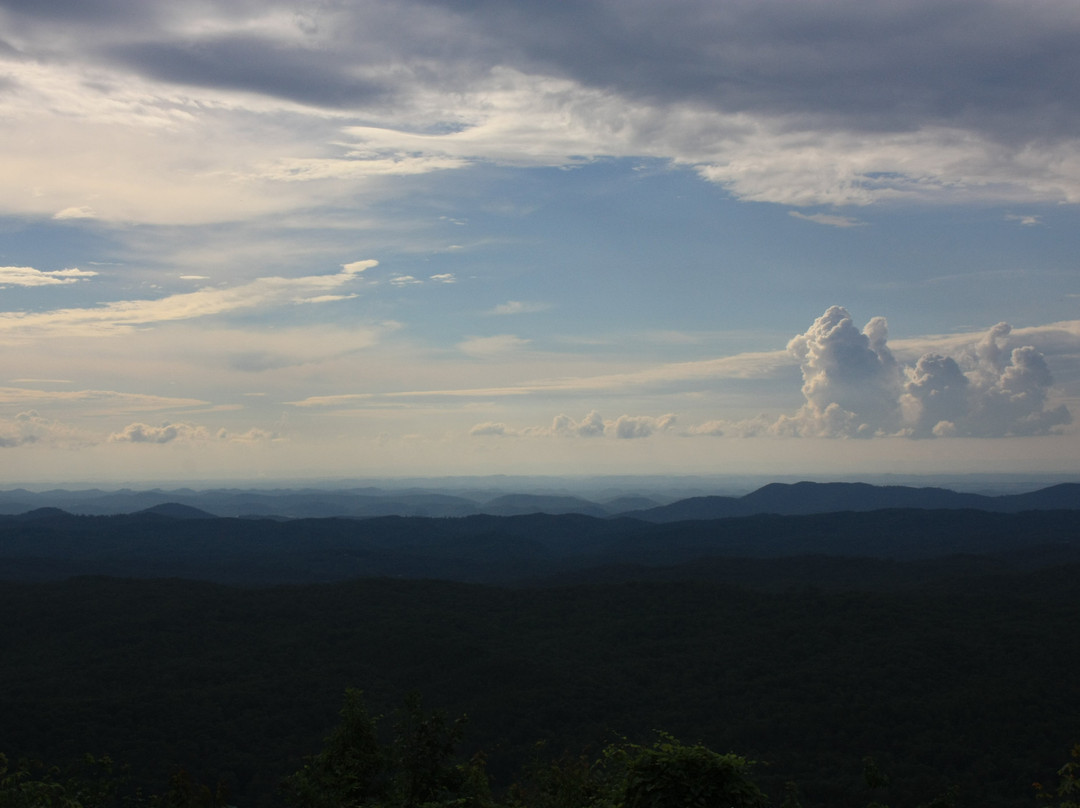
{"x":537,"y":547}
{"x":936,"y":642}
{"x":969,"y":684}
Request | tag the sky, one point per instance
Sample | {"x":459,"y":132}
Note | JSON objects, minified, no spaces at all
{"x":263,"y":240}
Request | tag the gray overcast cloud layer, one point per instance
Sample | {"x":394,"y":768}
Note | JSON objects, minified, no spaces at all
{"x":877,"y":65}
{"x":826,"y":103}
{"x":1005,"y":68}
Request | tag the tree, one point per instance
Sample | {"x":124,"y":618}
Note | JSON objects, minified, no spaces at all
{"x":351,"y":770}
{"x":417,"y":769}
{"x":424,"y":754}
{"x":22,"y":788}
{"x":670,"y":774}
{"x":1067,"y":792}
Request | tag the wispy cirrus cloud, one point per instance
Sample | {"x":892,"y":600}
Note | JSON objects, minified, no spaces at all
{"x":658,"y":379}
{"x":1024,"y":219}
{"x":91,"y":401}
{"x":831,"y":220}
{"x":28,"y":276}
{"x":519,"y":307}
{"x":120,"y":316}
{"x":492,"y":346}
{"x":80,"y":212}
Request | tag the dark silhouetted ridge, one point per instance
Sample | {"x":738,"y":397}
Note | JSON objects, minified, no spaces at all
{"x":176,"y":510}
{"x":43,"y":513}
{"x":788,"y":499}
{"x":522,"y":504}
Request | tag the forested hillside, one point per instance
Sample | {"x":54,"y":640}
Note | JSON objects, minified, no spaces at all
{"x":43,"y":545}
{"x":971,"y":683}
{"x":216,"y":651}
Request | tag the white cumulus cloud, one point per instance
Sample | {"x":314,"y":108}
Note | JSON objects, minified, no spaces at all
{"x":182,"y":432}
{"x":166,"y":433}
{"x":855,"y":387}
{"x":1003,"y":392}
{"x":30,"y":428}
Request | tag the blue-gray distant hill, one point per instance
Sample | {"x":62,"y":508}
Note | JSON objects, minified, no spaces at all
{"x":277,"y":503}
{"x":177,"y":510}
{"x":364,"y":503}
{"x":506,"y":549}
{"x":524,"y":504}
{"x":810,"y":498}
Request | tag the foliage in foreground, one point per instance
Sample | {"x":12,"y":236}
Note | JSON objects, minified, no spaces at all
{"x":1067,"y":792}
{"x":95,"y":783}
{"x":418,"y":767}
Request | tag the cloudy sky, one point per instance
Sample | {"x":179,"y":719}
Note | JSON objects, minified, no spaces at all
{"x":331,"y":238}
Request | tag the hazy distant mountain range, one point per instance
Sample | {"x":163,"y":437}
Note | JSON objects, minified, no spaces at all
{"x":514,"y":542}
{"x":775,"y":498}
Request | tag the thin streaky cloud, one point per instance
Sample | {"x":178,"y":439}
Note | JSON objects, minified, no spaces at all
{"x":81,"y":212}
{"x":28,"y":276}
{"x":519,"y":307}
{"x":124,"y":315}
{"x":744,"y":366}
{"x":828,"y":219}
{"x":1026,"y":220}
{"x":491,"y":346}
{"x":104,"y":398}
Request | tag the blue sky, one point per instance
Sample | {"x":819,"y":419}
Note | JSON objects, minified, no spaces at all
{"x":323,"y":239}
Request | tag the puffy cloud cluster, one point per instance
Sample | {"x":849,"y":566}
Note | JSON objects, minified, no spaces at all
{"x":15,"y":433}
{"x":714,"y":429}
{"x":1004,"y":392}
{"x":166,"y":433}
{"x":29,"y":427}
{"x":183,"y":433}
{"x":855,"y":387}
{"x":593,"y":425}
